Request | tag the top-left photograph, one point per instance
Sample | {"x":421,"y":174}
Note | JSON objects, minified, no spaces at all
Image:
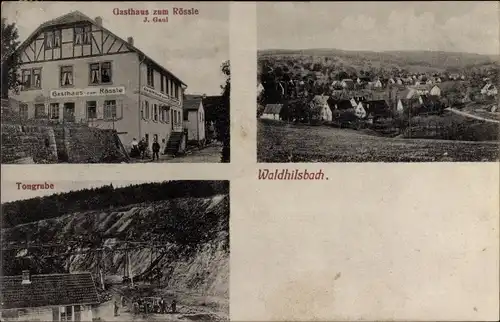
{"x":115,"y":82}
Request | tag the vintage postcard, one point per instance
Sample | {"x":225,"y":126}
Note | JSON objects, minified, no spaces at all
{"x":115,"y":251}
{"x":378,"y":82}
{"x":90,"y":84}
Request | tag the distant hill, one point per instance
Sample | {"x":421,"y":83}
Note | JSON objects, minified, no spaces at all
{"x":414,"y":61}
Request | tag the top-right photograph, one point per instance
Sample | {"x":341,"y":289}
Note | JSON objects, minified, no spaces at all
{"x":378,"y":81}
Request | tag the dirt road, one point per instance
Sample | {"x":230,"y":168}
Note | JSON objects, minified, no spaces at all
{"x":472,"y":115}
{"x":190,"y":307}
{"x":209,"y":154}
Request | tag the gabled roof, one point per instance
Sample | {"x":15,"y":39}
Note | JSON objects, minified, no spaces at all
{"x":77,"y":16}
{"x":48,"y":290}
{"x":320,"y":99}
{"x":273,"y":108}
{"x":489,"y":86}
{"x":191,"y":104}
{"x":342,"y":104}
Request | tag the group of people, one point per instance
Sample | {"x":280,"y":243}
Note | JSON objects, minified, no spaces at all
{"x":162,"y":309}
{"x":140,"y":148}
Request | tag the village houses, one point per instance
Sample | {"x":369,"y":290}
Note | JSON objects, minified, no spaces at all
{"x":75,"y":70}
{"x":489,"y":90}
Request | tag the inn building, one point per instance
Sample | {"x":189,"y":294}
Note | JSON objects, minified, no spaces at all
{"x":74,"y":70}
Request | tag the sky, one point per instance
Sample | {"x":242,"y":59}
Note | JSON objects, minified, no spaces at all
{"x":458,"y":26}
{"x":10,"y":191}
{"x":191,"y":47}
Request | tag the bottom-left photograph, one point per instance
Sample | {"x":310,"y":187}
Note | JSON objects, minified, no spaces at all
{"x":115,"y":251}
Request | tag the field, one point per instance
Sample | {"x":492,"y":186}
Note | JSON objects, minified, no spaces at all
{"x":281,"y":142}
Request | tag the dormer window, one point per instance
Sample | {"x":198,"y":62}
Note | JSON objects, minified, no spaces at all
{"x":82,"y":35}
{"x":53,"y":39}
{"x":57,"y":38}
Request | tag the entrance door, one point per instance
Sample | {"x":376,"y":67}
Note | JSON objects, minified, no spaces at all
{"x":172,"y":118}
{"x":69,"y":112}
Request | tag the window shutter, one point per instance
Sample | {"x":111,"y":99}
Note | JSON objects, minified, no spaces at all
{"x":119,"y":109}
{"x":100,"y":110}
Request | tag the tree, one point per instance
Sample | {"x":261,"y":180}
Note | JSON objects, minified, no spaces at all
{"x":222,"y":122}
{"x":10,"y":58}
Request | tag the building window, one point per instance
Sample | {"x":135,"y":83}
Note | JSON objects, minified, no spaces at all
{"x":86,"y":35}
{"x":54,"y":111}
{"x":23,"y":111}
{"x":162,"y":84}
{"x":167,"y":115}
{"x":146,"y":110}
{"x":53,"y":39}
{"x":49,"y":40}
{"x":66,"y":313}
{"x":167,"y":85}
{"x":151,"y":77}
{"x":39,"y":111}
{"x":171,"y":87}
{"x":82,"y":35}
{"x":91,"y":109}
{"x":37,"y":77}
{"x":100,"y":73}
{"x":31,"y":78}
{"x":78,"y":35}
{"x":26,"y":78}
{"x":110,"y":109}
{"x":57,"y":38}
{"x":78,"y":314}
{"x":66,"y":75}
{"x":155,"y":112}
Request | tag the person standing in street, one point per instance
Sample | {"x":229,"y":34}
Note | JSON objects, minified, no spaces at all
{"x":156,"y":150}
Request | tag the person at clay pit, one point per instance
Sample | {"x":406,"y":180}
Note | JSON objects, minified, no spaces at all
{"x":174,"y":306}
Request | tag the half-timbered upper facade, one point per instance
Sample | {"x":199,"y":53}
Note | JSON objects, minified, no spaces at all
{"x":73,"y":69}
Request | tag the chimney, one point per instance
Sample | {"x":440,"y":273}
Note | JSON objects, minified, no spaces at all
{"x":130,"y":40}
{"x":98,"y":20}
{"x":26,"y":277}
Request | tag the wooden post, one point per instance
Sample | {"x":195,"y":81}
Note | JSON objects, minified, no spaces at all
{"x":151,"y":264}
{"x":101,"y":275}
{"x":130,"y":269}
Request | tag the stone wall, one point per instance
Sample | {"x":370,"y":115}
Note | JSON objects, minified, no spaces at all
{"x":58,"y":143}
{"x":82,"y":144}
{"x":28,"y":142}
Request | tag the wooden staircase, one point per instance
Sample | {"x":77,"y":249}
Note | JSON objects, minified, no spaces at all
{"x":174,"y":143}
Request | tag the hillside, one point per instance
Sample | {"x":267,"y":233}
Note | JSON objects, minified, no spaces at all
{"x":191,"y":236}
{"x":413,"y":61}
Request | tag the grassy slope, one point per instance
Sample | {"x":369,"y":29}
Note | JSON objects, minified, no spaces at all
{"x":279,"y":142}
{"x":200,"y":268}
